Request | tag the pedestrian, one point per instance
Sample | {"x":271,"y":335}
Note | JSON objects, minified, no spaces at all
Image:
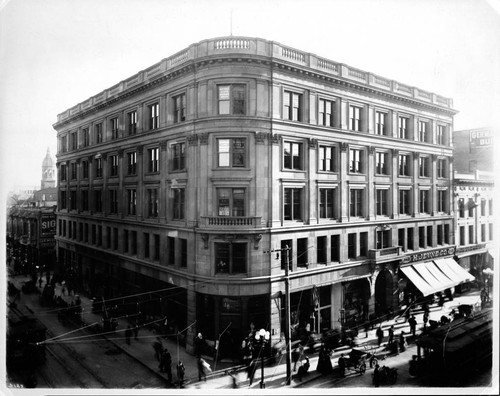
{"x":202,"y":369}
{"x":402,"y":342}
{"x":413,"y":325}
{"x":63,"y":288}
{"x":391,"y":335}
{"x":303,"y":369}
{"x":181,"y":370}
{"x":128,"y":334}
{"x":367,"y":327}
{"x":324,"y":363}
{"x":380,"y":334}
{"x":342,"y":365}
{"x":198,"y":345}
{"x":158,"y":347}
{"x":297,"y":356}
{"x":425,"y":318}
{"x":136,"y":330}
{"x":376,"y":375}
{"x":167,"y":364}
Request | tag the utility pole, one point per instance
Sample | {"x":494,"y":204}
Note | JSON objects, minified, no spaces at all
{"x":288,"y":350}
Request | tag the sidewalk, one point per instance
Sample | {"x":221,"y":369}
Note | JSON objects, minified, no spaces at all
{"x":142,"y":348}
{"x":275,"y":375}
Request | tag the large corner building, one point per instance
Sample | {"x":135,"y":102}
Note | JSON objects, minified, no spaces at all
{"x":182,"y":178}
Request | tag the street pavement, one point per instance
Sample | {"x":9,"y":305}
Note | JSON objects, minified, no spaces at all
{"x":227,"y":374}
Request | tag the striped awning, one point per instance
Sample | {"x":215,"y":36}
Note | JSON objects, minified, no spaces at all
{"x":434,"y":276}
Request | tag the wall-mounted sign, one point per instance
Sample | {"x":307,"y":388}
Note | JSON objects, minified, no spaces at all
{"x":48,"y":225}
{"x":428,"y":255}
{"x":480,"y":138}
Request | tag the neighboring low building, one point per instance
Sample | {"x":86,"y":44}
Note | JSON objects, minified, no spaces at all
{"x":473,"y":150}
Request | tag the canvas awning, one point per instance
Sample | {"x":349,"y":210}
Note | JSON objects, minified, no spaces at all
{"x":434,"y":276}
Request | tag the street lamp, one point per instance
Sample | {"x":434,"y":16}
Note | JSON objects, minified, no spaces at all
{"x":262,"y":336}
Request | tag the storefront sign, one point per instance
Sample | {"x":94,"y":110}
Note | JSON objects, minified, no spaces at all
{"x":465,"y":249}
{"x":480,"y":138}
{"x":48,"y":225}
{"x":429,"y":255}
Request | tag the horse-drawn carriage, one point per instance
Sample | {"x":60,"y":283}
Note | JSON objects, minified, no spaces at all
{"x":356,"y":361}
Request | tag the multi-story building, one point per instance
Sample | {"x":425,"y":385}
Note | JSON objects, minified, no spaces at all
{"x":181,"y":178}
{"x":31,"y":225}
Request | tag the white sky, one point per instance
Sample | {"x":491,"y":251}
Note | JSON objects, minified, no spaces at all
{"x":57,"y":53}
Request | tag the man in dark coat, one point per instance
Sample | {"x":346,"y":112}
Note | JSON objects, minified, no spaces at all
{"x":391,"y":335}
{"x":413,"y":325}
{"x":342,"y":365}
{"x":380,"y":335}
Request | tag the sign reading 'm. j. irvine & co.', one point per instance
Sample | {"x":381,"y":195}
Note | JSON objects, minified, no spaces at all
{"x":428,"y":255}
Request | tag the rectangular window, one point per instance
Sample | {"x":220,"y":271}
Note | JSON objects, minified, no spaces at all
{"x":94,"y":234}
{"x":231,"y":258}
{"x":113,"y":165}
{"x":292,"y":156}
{"x":286,"y":254}
{"x":231,"y":202}
{"x":292,"y":206}
{"x":356,"y":163}
{"x":152,"y":196}
{"x":327,"y":158}
{"x":483,"y":207}
{"x":179,"y":108}
{"x":483,"y":232}
{"x":401,"y":239}
{"x":442,"y":201}
{"x":131,"y":201}
{"x":178,"y":156}
{"x":86,"y":233}
{"x":73,"y":171}
{"x":80,"y":232}
{"x":490,"y":207}
{"x":133,"y":242}
{"x":132,"y":123}
{"x":156,"y":247}
{"x":321,"y":250}
{"x":113,"y":201}
{"x":292,"y":106}
{"x":98,"y":200}
{"x":113,"y":125}
{"x":423,"y":131}
{"x":125,"y":241}
{"x":153,"y":160}
{"x":381,"y":163}
{"x":99,"y":235}
{"x":440,"y":134}
{"x":472,"y":205}
{"x":354,"y":118}
{"x":154,"y":116}
{"x":72,"y":200}
{"x":146,"y":244}
{"x":356,"y":202}
{"x":424,"y":201}
{"x":85,"y":169}
{"x":302,"y":252}
{"x":108,"y":237}
{"x":63,"y":172}
{"x":171,"y":250}
{"x":490,"y":226}
{"x":429,"y":236}
{"x":63,"y":144}
{"x":98,"y":167}
{"x":115,"y":238}
{"x":380,"y":123}
{"x":441,"y":168}
{"x":462,"y":235}
{"x":326,"y":108}
{"x":231,"y":99}
{"x":132,"y":163}
{"x":98,"y":133}
{"x":403,"y":123}
{"x":404,"y":165}
{"x":351,"y":246}
{"x":424,"y":166}
{"x":232,"y":152}
{"x":383,"y":239}
{"x":440,"y":238}
{"x":85,"y":137}
{"x":381,"y":202}
{"x":461,"y":207}
{"x":335,"y":248}
{"x":471,"y":235}
{"x":410,"y":239}
{"x":363,"y":244}
{"x":326,"y":203}
{"x":85,"y":200}
{"x":73,"y":140}
{"x":421,"y":237}
{"x":404,"y":202}
{"x":178,"y":204}
{"x":184,"y":252}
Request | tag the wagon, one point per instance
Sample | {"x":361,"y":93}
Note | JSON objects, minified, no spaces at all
{"x":356,"y":361}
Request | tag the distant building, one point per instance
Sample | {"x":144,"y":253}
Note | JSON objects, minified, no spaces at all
{"x":196,"y":182}
{"x":473,"y":150}
{"x":31,"y":225}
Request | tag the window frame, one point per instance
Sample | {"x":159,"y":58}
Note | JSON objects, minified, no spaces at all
{"x":424,"y":166}
{"x":424,"y":201}
{"x":290,"y":161}
{"x":132,"y":122}
{"x":357,"y":156}
{"x":357,"y":201}
{"x":381,"y":125}
{"x":293,"y":207}
{"x":220,"y":266}
{"x":132,"y":163}
{"x":331,"y":204}
{"x":404,"y":167}
{"x":179,"y":107}
{"x":178,"y":156}
{"x":233,"y":153}
{"x":154,"y":116}
{"x":179,"y":203}
{"x":114,"y":124}
{"x":405,"y":202}
{"x":131,"y":201}
{"x":403,"y":127}
{"x":153,"y":159}
{"x":382,"y":168}
{"x":423,"y":131}
{"x":293,"y":109}
{"x":113,"y":165}
{"x":324,"y":118}
{"x":382,"y":206}
{"x":153,"y":202}
{"x":327,"y":158}
{"x":355,"y":117}
{"x":235,"y":106}
{"x":231,"y":206}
